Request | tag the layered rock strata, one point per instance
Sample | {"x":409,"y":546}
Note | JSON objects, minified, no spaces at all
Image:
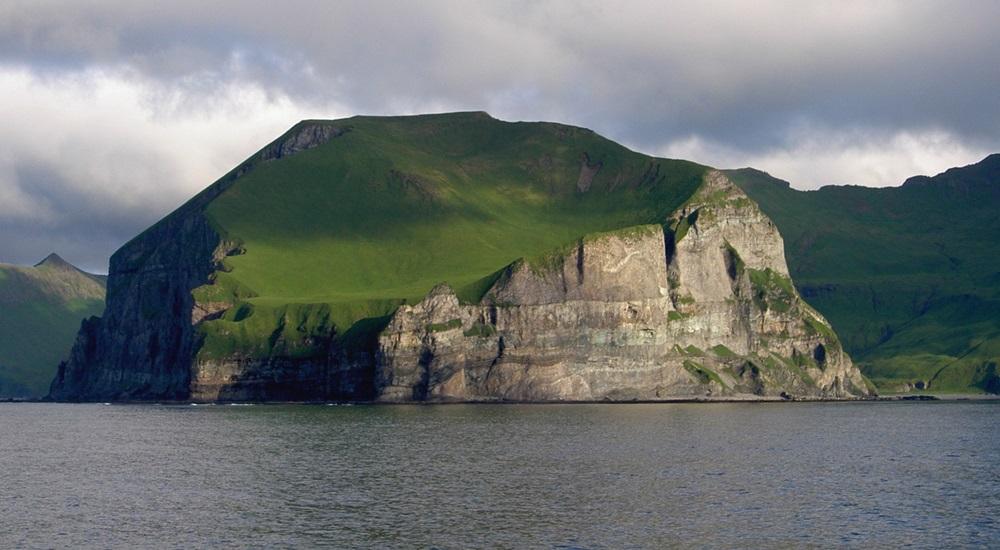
{"x":701,"y":307}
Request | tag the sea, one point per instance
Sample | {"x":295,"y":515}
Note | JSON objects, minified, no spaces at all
{"x":701,"y":475}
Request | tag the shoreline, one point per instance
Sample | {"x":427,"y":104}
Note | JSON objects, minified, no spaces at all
{"x":909,"y":397}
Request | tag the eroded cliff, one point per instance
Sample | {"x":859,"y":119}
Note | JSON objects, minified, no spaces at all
{"x":700,"y":307}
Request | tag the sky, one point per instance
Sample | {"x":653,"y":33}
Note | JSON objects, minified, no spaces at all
{"x":113,"y":113}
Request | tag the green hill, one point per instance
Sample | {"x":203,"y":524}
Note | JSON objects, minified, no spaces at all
{"x":40,"y":311}
{"x":277,"y":281}
{"x":376,"y":217}
{"x":908,"y":276}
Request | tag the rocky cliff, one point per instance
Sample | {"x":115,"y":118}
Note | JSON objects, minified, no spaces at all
{"x":701,"y":307}
{"x":145,"y":344}
{"x":682,"y":292}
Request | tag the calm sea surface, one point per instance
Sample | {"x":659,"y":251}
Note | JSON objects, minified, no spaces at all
{"x":459,"y":476}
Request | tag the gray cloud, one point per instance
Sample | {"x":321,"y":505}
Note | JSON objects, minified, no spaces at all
{"x":64,"y":218}
{"x":889,"y":86}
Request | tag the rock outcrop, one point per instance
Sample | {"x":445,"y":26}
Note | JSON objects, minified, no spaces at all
{"x":700,"y":307}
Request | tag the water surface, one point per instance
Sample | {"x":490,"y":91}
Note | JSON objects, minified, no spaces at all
{"x":458,"y":476}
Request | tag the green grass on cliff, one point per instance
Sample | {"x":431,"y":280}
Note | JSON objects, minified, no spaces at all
{"x":378,"y":216}
{"x":908,"y":276}
{"x":40,"y":312}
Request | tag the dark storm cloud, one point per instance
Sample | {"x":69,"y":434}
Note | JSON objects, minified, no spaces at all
{"x":649,"y":72}
{"x":739,"y":81}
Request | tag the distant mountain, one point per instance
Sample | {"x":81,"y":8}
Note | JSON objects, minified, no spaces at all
{"x":909,"y":276}
{"x":40,"y":311}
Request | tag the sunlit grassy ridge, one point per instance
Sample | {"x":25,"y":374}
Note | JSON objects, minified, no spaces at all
{"x":378,"y":216}
{"x":909,"y":276}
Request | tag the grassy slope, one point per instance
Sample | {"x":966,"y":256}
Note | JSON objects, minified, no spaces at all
{"x":40,"y":312}
{"x":909,"y":276}
{"x":350,"y":229}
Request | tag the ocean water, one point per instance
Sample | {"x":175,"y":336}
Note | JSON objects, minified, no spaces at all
{"x":501,"y":476}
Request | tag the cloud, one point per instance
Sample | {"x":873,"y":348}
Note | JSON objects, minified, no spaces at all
{"x":819,"y":157}
{"x":122,"y":110}
{"x":92,"y":158}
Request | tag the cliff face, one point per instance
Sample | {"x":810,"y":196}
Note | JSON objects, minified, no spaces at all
{"x":697,"y":303}
{"x":145,"y":344}
{"x":703,"y":307}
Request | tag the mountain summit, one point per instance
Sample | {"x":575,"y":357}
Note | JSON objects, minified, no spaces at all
{"x":457,"y":257}
{"x":54,"y":261}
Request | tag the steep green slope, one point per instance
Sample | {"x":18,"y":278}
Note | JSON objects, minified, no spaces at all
{"x":40,"y":312}
{"x":909,"y":276}
{"x":380,"y":214}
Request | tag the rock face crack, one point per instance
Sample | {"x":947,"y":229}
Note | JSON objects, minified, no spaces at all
{"x":619,"y":264}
